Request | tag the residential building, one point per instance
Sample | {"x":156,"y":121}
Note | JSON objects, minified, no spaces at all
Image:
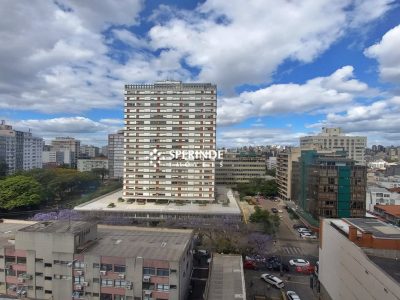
{"x":330,"y":185}
{"x":67,"y":144}
{"x":226,"y":281}
{"x":377,"y":164}
{"x":392,"y":170}
{"x":20,"y":150}
{"x":379,"y":195}
{"x":115,"y":150}
{"x":88,"y":151}
{"x":388,"y":182}
{"x":272,"y":162}
{"x":79,"y":260}
{"x":87,"y":165}
{"x":391,"y":213}
{"x":54,"y":158}
{"x":335,"y":139}
{"x":284,"y":176}
{"x":170,"y":132}
{"x":358,"y":259}
{"x":104,"y":150}
{"x":236,"y":168}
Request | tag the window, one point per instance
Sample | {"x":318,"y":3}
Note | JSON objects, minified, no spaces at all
{"x":48,"y":292}
{"x":10,"y":260}
{"x":148,"y":286}
{"x":105,"y":296}
{"x":47,"y":278}
{"x":106,"y":267}
{"x":38,"y":274}
{"x":21,"y":260}
{"x":39,"y":260}
{"x":162,"y":287}
{"x":56,"y":262}
{"x":79,"y":279}
{"x":96,"y":280}
{"x":107,"y":282}
{"x":162,"y":272}
{"x":48,"y":265}
{"x":96,"y":265}
{"x":119,"y":297}
{"x":120,"y":283}
{"x":149,"y":271}
{"x":119,"y":268}
{"x":172,"y":287}
{"x":39,"y":288}
{"x":79,"y":264}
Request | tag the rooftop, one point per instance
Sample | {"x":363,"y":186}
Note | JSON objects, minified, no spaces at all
{"x":390,"y":265}
{"x":226,"y":280}
{"x":378,"y":228}
{"x":149,"y":243}
{"x":8,"y":229}
{"x":390,"y":209}
{"x":56,"y":227}
{"x":101,"y":203}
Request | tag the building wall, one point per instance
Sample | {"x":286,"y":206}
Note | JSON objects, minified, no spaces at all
{"x":380,"y":196}
{"x":67,"y":145}
{"x":163,"y":117}
{"x":116,"y":154}
{"x":345,"y":272}
{"x":87,"y":165}
{"x":284,"y":172}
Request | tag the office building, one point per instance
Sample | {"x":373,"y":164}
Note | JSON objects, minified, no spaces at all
{"x":115,"y":150}
{"x":104,"y":150}
{"x":236,"y":168}
{"x":170,"y":142}
{"x":335,"y":139}
{"x":328,"y":184}
{"x":283,"y":175}
{"x":88,"y":151}
{"x":67,"y":144}
{"x":19,"y":150}
{"x":358,"y":259}
{"x":87,"y":165}
{"x":390,"y":213}
{"x":78,"y":260}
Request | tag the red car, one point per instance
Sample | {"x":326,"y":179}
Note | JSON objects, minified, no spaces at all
{"x":249,"y":265}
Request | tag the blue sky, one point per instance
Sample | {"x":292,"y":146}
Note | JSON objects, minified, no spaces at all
{"x":282,"y":69}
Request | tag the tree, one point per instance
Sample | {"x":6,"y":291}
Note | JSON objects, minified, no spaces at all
{"x":269,"y":221}
{"x":101,"y":172}
{"x":19,"y":191}
{"x":3,"y":169}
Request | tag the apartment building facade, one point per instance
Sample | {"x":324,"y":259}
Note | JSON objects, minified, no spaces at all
{"x":88,"y":151}
{"x":115,"y":151}
{"x":77,"y":260}
{"x":236,"y":168}
{"x":67,"y":144}
{"x":170,"y":132}
{"x":335,"y":139}
{"x":283,"y":175}
{"x":87,"y":165}
{"x":19,"y":150}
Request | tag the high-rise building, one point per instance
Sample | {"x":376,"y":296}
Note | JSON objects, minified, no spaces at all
{"x":67,"y":144}
{"x":104,"y":150}
{"x":79,"y":260}
{"x":170,"y":132}
{"x":283,"y":175}
{"x":335,"y":139}
{"x":88,"y":151}
{"x":115,"y":150}
{"x":19,"y":150}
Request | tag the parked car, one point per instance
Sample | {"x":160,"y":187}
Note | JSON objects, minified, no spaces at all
{"x":308,"y":235}
{"x":292,"y":295}
{"x":280,"y":211}
{"x":297,"y":226}
{"x":274,"y":210}
{"x":271,"y":279}
{"x":302,"y":229}
{"x":273,"y":259}
{"x":298,"y":262}
{"x":276,"y":266}
{"x":249,"y":265}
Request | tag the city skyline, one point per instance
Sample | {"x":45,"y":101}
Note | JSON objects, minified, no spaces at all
{"x":339,"y":69}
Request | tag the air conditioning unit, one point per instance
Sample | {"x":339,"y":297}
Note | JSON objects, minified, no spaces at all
{"x":146,"y":278}
{"x":147,"y":293}
{"x":122,"y":276}
{"x":103,"y":273}
{"x":85,"y":283}
{"x":79,"y":272}
{"x":21,"y":280}
{"x":78,"y":287}
{"x":128,"y":285}
{"x":70,"y":264}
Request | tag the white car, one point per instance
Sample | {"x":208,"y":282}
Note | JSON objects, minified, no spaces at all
{"x":292,"y":295}
{"x":302,"y":229}
{"x":298,"y":262}
{"x":307,"y":235}
{"x":280,"y":211}
{"x":271,"y":279}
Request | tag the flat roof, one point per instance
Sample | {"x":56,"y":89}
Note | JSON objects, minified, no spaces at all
{"x":378,"y":228}
{"x":390,"y":209}
{"x":57,"y":226}
{"x":101,"y":203}
{"x":390,"y":266}
{"x":148,"y":243}
{"x":8,"y":229}
{"x":226,"y":279}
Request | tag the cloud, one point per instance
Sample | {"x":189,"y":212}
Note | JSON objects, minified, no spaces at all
{"x":337,"y":89}
{"x":388,"y":55}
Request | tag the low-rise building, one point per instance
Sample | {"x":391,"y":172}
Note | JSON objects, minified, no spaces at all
{"x":271,"y":162}
{"x":87,"y":165}
{"x":79,"y":260}
{"x":382,"y":196}
{"x":391,"y":213}
{"x":358,"y":259}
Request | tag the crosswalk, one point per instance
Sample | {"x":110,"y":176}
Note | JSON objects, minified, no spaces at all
{"x":291,"y":250}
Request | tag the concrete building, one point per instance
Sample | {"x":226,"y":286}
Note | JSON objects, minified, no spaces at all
{"x":358,"y":260}
{"x":272,"y":162}
{"x":236,"y":168}
{"x":335,"y":139}
{"x":115,"y":150}
{"x":283,"y":176}
{"x":78,"y":260}
{"x":87,"y":165}
{"x":391,"y":213}
{"x":378,"y":195}
{"x":67,"y":144}
{"x":388,"y":182}
{"x":329,"y":185}
{"x":20,"y":150}
{"x":88,"y":151}
{"x":104,"y":150}
{"x":392,"y":170}
{"x":54,"y":158}
{"x":377,"y":164}
{"x":170,"y":132}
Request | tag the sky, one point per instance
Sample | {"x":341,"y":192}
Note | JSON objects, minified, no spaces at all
{"x":283,"y":68}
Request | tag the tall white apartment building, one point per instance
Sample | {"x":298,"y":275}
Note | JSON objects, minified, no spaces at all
{"x":67,"y":144}
{"x":116,"y":154}
{"x":335,"y":139}
{"x":170,"y":132}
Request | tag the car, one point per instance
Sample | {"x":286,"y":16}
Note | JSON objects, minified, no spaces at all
{"x":292,"y":295}
{"x":274,"y":210}
{"x":299,"y":262}
{"x":271,"y":279}
{"x":280,"y":211}
{"x":300,"y":230}
{"x":308,"y":235}
{"x":297,"y":226}
{"x":273,"y":259}
{"x":250,"y":265}
{"x":276,"y":266}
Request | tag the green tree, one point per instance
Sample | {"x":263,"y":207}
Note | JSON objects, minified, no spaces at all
{"x":101,"y":172}
{"x":3,"y":169}
{"x":19,"y":191}
{"x":270,"y":222}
